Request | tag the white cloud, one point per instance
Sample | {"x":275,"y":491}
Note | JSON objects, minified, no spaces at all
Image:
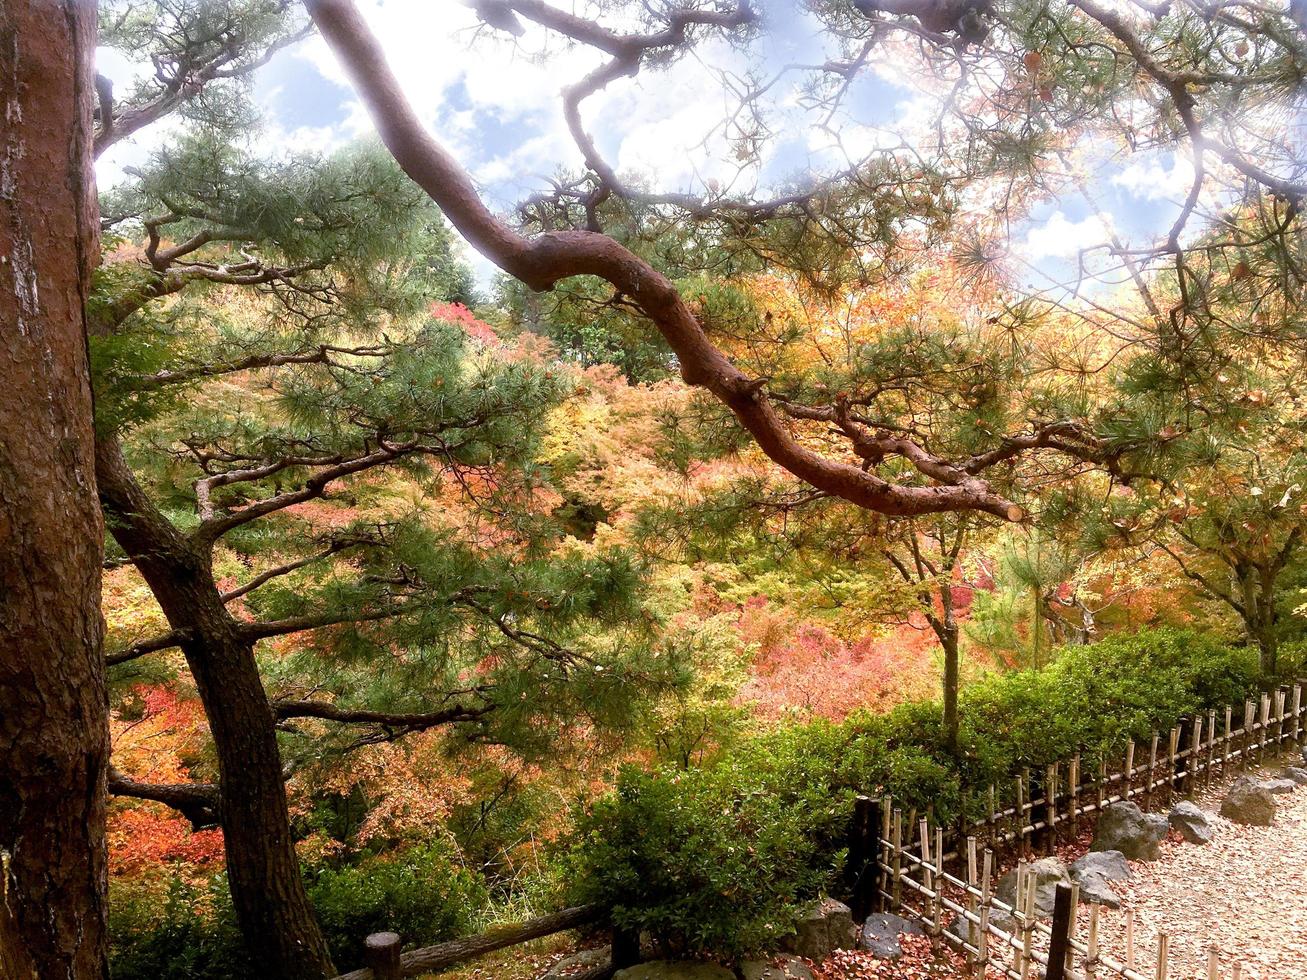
{"x":1152,"y":181}
{"x":1061,"y":238}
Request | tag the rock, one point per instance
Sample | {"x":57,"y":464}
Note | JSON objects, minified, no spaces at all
{"x":1280,"y":785}
{"x":780,"y":968}
{"x":1249,"y":802}
{"x":880,"y":934}
{"x":1124,"y":827}
{"x":1297,"y":774}
{"x":584,"y":960}
{"x":1193,"y":824}
{"x":674,"y":970}
{"x":1303,"y":752}
{"x":824,"y":928}
{"x":1049,"y":872}
{"x":1094,"y":871}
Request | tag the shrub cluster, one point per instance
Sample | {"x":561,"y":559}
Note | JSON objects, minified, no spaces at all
{"x":175,"y":930}
{"x":719,"y":859}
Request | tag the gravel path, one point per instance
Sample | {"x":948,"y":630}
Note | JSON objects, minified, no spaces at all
{"x":1244,"y":893}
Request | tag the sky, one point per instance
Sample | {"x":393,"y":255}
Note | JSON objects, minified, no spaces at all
{"x":495,"y":104}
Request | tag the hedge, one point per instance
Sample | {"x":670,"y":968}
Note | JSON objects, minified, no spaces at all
{"x":718,"y":860}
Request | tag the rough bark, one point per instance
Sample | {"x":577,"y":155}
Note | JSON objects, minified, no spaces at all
{"x":53,"y":705}
{"x":267,"y":890}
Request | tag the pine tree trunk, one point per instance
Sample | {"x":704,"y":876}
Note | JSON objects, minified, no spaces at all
{"x":273,"y":908}
{"x":952,"y":680}
{"x":54,"y":739}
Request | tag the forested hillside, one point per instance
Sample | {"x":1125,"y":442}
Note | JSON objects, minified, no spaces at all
{"x":516,"y":499}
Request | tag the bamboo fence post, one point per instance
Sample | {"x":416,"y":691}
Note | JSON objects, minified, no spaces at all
{"x":973,"y":874}
{"x":986,"y":874}
{"x":897,"y":886}
{"x":1213,"y":964}
{"x":1073,"y":784}
{"x":1129,"y":769}
{"x":1151,"y":795}
{"x":993,"y":815}
{"x":1028,"y":927}
{"x":1091,"y":945}
{"x":1249,"y":713}
{"x":1021,"y":816}
{"x":939,"y":880}
{"x":1297,"y":714}
{"x":1236,"y":972}
{"x":1163,"y":949}
{"x":1263,"y":724}
{"x":1211,"y":746}
{"x":1050,"y":804}
{"x":1191,"y":770}
{"x":1229,"y":733}
{"x":928,"y":878}
{"x":1171,"y":762}
{"x":1130,"y":939}
{"x":1279,"y":717}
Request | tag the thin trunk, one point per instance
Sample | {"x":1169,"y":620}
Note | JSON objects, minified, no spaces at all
{"x":263,"y":871}
{"x":54,"y":739}
{"x":952,"y":680}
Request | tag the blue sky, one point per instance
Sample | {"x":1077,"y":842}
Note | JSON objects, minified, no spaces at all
{"x":496,"y":105}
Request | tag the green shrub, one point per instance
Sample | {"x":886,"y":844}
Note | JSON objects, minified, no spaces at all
{"x":700,"y":860}
{"x":172,"y":930}
{"x":420,"y":894}
{"x":717,"y":859}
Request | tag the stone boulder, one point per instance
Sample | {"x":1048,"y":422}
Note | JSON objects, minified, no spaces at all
{"x":1296,"y":773}
{"x":674,"y":970}
{"x":1124,"y":827}
{"x":585,"y":960}
{"x":880,"y":934}
{"x":1249,"y":802}
{"x":822,"y":929}
{"x":1094,"y":872}
{"x":779,"y":968}
{"x":1279,"y":786}
{"x":1192,"y":823}
{"x":1049,"y":872}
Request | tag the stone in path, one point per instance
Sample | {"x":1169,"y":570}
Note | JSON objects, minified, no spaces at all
{"x":1094,"y":872}
{"x":1296,"y":773}
{"x":587,"y":958}
{"x":1124,"y":827}
{"x":1192,"y":823}
{"x":780,"y":968}
{"x":674,"y":970}
{"x":880,"y":934}
{"x":1280,"y":786}
{"x":1249,"y":802}
{"x":823,"y":928}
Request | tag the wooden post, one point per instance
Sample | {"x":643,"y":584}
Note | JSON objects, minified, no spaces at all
{"x":862,"y":864}
{"x":1129,"y":770}
{"x":1229,"y":733}
{"x":1059,"y":945}
{"x":1213,"y":964}
{"x":381,"y":954}
{"x":1130,"y":939}
{"x":626,"y":948}
{"x":973,"y":877}
{"x":1163,"y":954}
{"x":1021,"y":816}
